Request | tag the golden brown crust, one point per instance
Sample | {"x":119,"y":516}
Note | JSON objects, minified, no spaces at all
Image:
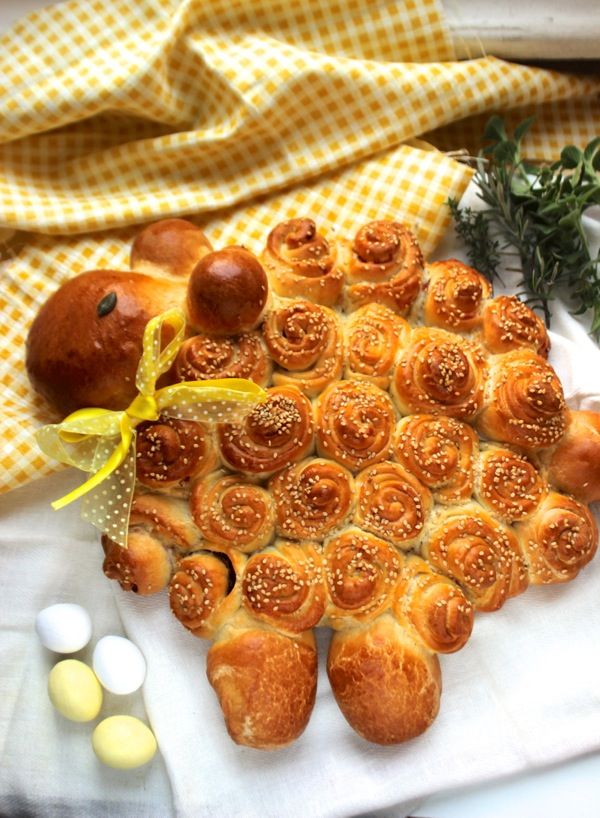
{"x":440,"y":452}
{"x":171,"y":246}
{"x":168,"y":518}
{"x":266,"y":684}
{"x":276,"y":432}
{"x":82,"y":354}
{"x":301,"y":263}
{"x":574,"y":464}
{"x":243,"y":356}
{"x":386,"y":685}
{"x":385,"y":266}
{"x":284,"y":586}
{"x":558,"y":540}
{"x":434,"y":606}
{"x":525,"y":405}
{"x":509,"y":324}
{"x":360,"y":571}
{"x":440,"y":373}
{"x":203,"y":592}
{"x":508,"y":484}
{"x":479,"y":554}
{"x":232,"y":512}
{"x":391,"y":503}
{"x":144,"y":567}
{"x":312,"y":498}
{"x":305,"y":341}
{"x":354,"y":424}
{"x":170,"y":452}
{"x":374,"y":334}
{"x":455,"y":296}
{"x":227,"y":292}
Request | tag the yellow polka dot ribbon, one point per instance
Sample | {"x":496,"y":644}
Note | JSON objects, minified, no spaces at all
{"x":102,"y":441}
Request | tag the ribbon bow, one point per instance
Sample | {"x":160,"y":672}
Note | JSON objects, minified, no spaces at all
{"x":102,"y":441}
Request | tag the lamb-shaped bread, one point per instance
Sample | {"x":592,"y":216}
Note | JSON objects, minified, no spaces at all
{"x":413,"y":463}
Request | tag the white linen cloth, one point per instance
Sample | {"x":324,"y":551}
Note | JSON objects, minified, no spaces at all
{"x":522,"y":694}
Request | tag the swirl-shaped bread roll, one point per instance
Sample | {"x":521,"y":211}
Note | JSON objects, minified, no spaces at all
{"x":276,"y":432}
{"x":302,"y":264}
{"x":360,"y":571}
{"x":305,"y":340}
{"x":385,"y":266}
{"x":284,"y":586}
{"x":508,"y":483}
{"x":170,"y":452}
{"x":355,"y":424}
{"x":144,"y":567}
{"x":265,"y":681}
{"x":479,"y":553}
{"x":391,"y":503}
{"x":159,"y":526}
{"x":243,"y":356}
{"x":374,"y":334}
{"x":203,"y":593}
{"x":509,"y":324}
{"x":440,"y":373}
{"x":525,"y":405}
{"x":232,"y":512}
{"x":440,"y":453}
{"x":559,"y":539}
{"x":312,"y":498}
{"x":455,"y":296}
{"x":386,"y":684}
{"x":434,"y":606}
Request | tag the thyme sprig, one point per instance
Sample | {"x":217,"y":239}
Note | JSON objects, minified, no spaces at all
{"x":534,"y":212}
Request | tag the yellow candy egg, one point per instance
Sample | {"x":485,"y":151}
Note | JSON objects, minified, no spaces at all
{"x":74,"y":690}
{"x":123,"y":742}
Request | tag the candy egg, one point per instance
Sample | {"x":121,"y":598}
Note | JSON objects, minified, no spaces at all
{"x":119,"y":664}
{"x":74,"y":690}
{"x":123,"y":742}
{"x":64,"y":628}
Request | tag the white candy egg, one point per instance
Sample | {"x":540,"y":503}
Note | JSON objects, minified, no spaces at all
{"x":64,"y":627}
{"x":119,"y":664}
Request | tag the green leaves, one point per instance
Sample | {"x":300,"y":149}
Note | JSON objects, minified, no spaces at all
{"x":535,"y":212}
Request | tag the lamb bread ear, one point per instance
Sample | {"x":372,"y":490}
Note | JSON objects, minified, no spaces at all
{"x":387,"y":686}
{"x":574,"y":463}
{"x":85,"y":343}
{"x":266,"y":683}
{"x":170,"y":247}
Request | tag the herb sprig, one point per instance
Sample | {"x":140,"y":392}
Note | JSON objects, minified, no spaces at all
{"x":534,"y":212}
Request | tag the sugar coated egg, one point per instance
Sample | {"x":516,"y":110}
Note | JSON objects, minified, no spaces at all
{"x":64,"y":628}
{"x":119,"y":664}
{"x":123,"y":742}
{"x":74,"y":690}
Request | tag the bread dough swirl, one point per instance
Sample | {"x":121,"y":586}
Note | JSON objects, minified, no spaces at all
{"x":312,"y":498}
{"x":243,"y":356}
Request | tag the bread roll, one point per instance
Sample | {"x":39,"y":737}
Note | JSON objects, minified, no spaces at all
{"x":313,"y":498}
{"x":276,"y":432}
{"x":227,"y":292}
{"x":574,"y":463}
{"x":374,"y":334}
{"x":387,"y":686}
{"x":232,"y":512}
{"x":266,"y":684}
{"x":169,"y":247}
{"x":385,"y":267}
{"x":355,"y":424}
{"x":301,"y":263}
{"x":455,"y":297}
{"x":202,"y":357}
{"x":305,"y":342}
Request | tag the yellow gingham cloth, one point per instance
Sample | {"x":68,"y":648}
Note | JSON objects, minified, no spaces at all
{"x":238,"y":115}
